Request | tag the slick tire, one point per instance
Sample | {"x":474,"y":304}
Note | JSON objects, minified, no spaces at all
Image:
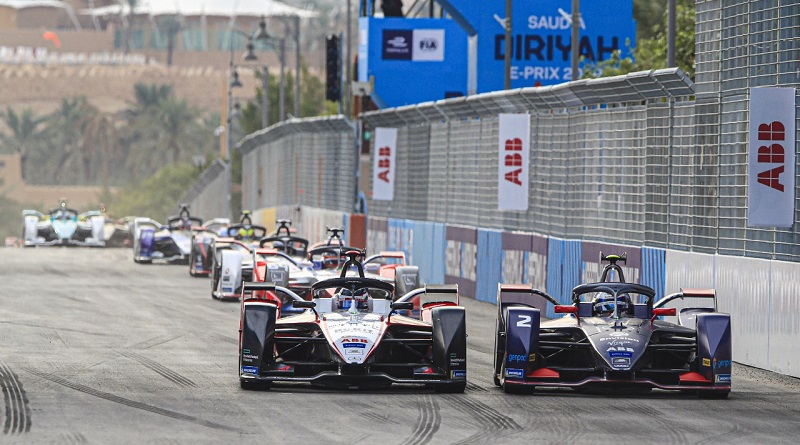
{"x":498,"y":354}
{"x":254,"y":386}
{"x":450,"y":388}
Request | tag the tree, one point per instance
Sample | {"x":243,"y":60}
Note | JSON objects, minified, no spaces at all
{"x":24,"y":137}
{"x":70,"y":133}
{"x":651,"y":53}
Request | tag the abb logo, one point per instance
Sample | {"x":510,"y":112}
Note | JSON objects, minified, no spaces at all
{"x":513,"y":161}
{"x":354,"y":340}
{"x":773,"y":153}
{"x":384,"y":163}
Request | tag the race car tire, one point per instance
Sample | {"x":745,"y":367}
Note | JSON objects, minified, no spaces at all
{"x":255,"y":386}
{"x":498,"y":354}
{"x":450,"y":388}
{"x":713,"y":395}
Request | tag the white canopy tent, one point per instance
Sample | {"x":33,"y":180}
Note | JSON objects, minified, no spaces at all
{"x":225,"y":8}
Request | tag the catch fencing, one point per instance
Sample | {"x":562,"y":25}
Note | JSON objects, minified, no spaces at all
{"x":307,"y":162}
{"x":208,"y":196}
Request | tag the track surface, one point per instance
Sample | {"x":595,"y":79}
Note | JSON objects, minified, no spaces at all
{"x":97,"y":349}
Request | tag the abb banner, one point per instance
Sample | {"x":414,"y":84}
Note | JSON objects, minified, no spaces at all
{"x":383,"y":164}
{"x":514,"y":146}
{"x":771,"y":174}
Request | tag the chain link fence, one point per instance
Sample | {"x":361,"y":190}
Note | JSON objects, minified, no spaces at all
{"x":309,"y":162}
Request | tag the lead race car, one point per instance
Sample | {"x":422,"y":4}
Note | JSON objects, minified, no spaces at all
{"x":349,"y":336}
{"x":611,"y":338}
{"x":63,"y":226}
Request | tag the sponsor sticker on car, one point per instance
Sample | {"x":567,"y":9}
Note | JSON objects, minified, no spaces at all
{"x":249,"y":370}
{"x":707,"y":362}
{"x":722,"y":378}
{"x":620,"y":362}
{"x":458,"y":374}
{"x":512,"y":372}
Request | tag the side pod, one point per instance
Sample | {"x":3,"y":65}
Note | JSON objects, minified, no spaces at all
{"x":714,"y":347}
{"x":258,"y":337}
{"x":522,"y":342}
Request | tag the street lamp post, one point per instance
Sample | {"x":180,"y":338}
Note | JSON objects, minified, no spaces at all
{"x":235,"y":82}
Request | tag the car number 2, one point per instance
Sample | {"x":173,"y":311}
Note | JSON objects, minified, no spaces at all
{"x":524,"y":321}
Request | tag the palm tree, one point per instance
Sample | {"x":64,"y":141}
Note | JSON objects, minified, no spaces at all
{"x":25,"y":135}
{"x":70,"y":131}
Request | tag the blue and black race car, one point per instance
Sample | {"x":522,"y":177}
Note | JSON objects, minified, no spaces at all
{"x":611,"y":337}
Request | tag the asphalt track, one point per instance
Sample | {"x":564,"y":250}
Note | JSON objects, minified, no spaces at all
{"x":95,"y":349}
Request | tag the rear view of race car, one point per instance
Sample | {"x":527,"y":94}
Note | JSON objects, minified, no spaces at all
{"x":611,"y":338}
{"x":349,"y":336}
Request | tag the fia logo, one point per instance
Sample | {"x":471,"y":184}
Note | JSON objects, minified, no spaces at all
{"x":428,"y":44}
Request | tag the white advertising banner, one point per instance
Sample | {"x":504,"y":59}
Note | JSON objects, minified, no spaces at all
{"x":383,"y":163}
{"x":771,"y":158}
{"x":514,"y":154}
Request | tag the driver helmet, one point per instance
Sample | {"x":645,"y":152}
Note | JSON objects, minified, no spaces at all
{"x":603,"y":305}
{"x":246,"y":233}
{"x":346,"y":297}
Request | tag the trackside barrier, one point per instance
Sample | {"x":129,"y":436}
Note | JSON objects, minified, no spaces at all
{"x":461,"y":253}
{"x":654,"y":269}
{"x":489,"y":264}
{"x":428,"y":251}
{"x":208,"y":196}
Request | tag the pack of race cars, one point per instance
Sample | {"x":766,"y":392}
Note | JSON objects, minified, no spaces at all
{"x":327,"y":314}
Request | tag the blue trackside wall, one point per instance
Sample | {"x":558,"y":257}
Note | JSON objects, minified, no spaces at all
{"x":489,"y":263}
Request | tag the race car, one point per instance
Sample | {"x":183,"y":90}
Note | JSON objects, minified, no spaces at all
{"x":349,"y":336}
{"x":63,"y":226}
{"x":232,"y":258}
{"x":284,"y":240}
{"x":611,"y":339}
{"x":200,"y":254}
{"x":170,"y":243}
{"x":118,"y":233}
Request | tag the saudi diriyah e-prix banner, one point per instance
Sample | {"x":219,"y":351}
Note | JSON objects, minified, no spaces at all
{"x":383,"y":164}
{"x":771,"y":166}
{"x":514,"y":149}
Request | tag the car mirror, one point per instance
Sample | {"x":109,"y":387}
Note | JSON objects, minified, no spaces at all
{"x":407,"y":305}
{"x":305,"y":304}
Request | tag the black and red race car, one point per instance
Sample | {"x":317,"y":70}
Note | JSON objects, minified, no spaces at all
{"x":350,"y":336}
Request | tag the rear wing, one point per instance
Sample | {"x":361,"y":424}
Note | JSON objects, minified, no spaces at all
{"x":523,"y":295}
{"x":689,"y":293}
{"x":35,"y":213}
{"x":441,"y":293}
{"x":269,"y":287}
